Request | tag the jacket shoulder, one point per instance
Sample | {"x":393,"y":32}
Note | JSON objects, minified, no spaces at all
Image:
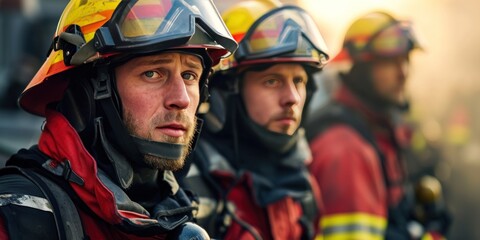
{"x":26,"y":212}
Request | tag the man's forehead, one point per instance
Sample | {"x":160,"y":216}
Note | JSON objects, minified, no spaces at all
{"x":185,"y":54}
{"x":169,"y":56}
{"x":277,"y":68}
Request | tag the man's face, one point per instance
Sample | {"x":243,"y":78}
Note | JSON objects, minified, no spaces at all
{"x":389,"y":77}
{"x":160,"y":94}
{"x":274,"y":98}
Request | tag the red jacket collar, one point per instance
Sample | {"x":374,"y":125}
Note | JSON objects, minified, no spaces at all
{"x":60,"y":142}
{"x":380,"y":121}
{"x":349,"y":99}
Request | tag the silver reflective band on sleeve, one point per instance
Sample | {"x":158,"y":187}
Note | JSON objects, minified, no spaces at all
{"x":26,"y":201}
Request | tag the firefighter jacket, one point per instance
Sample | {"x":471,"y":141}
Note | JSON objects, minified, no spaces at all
{"x":250,"y":188}
{"x":104,"y":209}
{"x":357,"y":164}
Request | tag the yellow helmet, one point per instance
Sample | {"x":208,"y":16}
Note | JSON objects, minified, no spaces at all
{"x":92,"y":30}
{"x":269,"y":32}
{"x":378,"y":34}
{"x":240,"y":17}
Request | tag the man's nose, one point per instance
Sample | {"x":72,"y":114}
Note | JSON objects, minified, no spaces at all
{"x":177,"y":95}
{"x":290,"y":94}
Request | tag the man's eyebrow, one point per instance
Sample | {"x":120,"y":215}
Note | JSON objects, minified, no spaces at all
{"x":188,"y":61}
{"x":193,"y":64}
{"x":155,"y":61}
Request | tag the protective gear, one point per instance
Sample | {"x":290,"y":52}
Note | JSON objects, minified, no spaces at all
{"x":241,"y":16}
{"x":378,"y":35}
{"x":92,"y":30}
{"x":109,"y":33}
{"x":251,"y":172}
{"x":268,"y":33}
{"x":282,"y":199}
{"x":370,"y":198}
{"x":107,"y":211}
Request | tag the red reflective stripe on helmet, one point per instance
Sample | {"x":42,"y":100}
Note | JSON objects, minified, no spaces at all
{"x":271,"y":33}
{"x":148,"y":11}
{"x":238,"y":37}
{"x":92,"y":27}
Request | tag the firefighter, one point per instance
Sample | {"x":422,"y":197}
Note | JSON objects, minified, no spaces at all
{"x":119,"y":91}
{"x":250,"y":165}
{"x":356,"y":139}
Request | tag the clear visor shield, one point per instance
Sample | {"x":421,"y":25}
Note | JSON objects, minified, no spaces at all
{"x":148,"y":25}
{"x":288,"y":31}
{"x":394,"y":40}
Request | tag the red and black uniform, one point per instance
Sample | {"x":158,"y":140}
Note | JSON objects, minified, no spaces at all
{"x":358,"y":164}
{"x":106,"y":211}
{"x":253,"y":183}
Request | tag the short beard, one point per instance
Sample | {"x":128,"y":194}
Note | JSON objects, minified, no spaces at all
{"x":162,"y":163}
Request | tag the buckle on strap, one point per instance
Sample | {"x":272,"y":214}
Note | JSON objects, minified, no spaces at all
{"x":64,"y":170}
{"x":101,"y":84}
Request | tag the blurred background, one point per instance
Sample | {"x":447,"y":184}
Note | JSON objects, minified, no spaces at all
{"x":444,"y":84}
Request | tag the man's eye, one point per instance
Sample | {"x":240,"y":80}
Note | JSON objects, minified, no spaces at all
{"x":155,"y":75}
{"x":189,"y":76}
{"x":151,"y":74}
{"x":271,"y":82}
{"x":299,"y":80}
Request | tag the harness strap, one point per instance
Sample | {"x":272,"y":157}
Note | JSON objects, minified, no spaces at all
{"x":309,"y":212}
{"x":25,"y":200}
{"x":224,"y":212}
{"x":72,"y":224}
{"x":67,"y":219}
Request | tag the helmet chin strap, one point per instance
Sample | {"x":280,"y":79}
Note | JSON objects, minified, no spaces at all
{"x":171,"y":151}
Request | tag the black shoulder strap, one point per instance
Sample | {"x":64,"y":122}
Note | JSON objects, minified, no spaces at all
{"x":206,"y":187}
{"x":310,"y":211}
{"x":68,"y":222}
{"x":67,"y":219}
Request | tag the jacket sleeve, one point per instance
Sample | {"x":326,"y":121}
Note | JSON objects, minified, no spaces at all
{"x":351,"y":184}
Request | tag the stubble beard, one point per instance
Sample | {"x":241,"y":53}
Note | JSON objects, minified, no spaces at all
{"x":162,"y":163}
{"x":288,"y":130}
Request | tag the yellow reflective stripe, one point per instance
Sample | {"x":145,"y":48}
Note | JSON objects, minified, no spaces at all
{"x":353,"y":236}
{"x":354,"y":218}
{"x":353,"y":226}
{"x":427,"y":237}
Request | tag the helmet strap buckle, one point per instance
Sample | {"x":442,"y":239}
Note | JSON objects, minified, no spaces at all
{"x":70,"y":42}
{"x":101,"y":84}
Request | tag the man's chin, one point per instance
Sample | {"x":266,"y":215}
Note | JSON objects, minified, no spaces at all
{"x":288,"y":130}
{"x":163,"y":163}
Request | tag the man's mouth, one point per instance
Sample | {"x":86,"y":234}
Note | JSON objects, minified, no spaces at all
{"x":287,"y":120}
{"x":173,"y":130}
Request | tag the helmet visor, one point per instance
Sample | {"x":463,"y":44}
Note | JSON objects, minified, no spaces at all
{"x":287,"y":31}
{"x":394,"y":40}
{"x":153,"y":25}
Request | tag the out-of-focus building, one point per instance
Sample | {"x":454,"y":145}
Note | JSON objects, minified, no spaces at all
{"x":26,"y":33}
